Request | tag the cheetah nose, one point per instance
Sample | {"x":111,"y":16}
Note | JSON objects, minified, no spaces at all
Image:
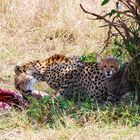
{"x":108,"y":72}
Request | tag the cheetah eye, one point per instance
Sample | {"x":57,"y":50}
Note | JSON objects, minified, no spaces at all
{"x":28,"y":80}
{"x":112,"y":66}
{"x":105,"y":66}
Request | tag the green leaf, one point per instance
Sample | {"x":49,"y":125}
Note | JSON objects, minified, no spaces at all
{"x":105,"y":2}
{"x":112,"y":12}
{"x":64,"y":104}
{"x":118,"y":14}
{"x":92,"y":57}
{"x":82,"y":58}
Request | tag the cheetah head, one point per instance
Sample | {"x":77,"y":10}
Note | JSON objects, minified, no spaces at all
{"x":24,"y":81}
{"x":109,"y":66}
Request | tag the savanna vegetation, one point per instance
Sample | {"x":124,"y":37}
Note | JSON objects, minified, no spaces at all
{"x":36,"y":29}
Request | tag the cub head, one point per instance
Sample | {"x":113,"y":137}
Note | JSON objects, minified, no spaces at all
{"x":109,"y":66}
{"x":24,"y":81}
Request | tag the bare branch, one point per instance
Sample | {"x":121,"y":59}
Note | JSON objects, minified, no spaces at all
{"x":98,"y":17}
{"x":126,"y":22}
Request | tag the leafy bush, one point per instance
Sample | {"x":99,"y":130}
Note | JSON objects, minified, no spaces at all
{"x":124,"y":28}
{"x":54,"y":112}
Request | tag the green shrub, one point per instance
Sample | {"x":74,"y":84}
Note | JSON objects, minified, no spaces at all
{"x":52,"y":112}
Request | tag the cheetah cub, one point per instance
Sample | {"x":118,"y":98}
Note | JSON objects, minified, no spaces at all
{"x":109,"y":66}
{"x":94,"y":79}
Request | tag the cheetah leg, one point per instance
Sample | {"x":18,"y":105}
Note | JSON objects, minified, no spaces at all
{"x":111,"y":98}
{"x":60,"y":92}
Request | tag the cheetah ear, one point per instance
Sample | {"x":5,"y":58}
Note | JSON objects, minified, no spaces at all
{"x":18,"y":69}
{"x":101,"y":62}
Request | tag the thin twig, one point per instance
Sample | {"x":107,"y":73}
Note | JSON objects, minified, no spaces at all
{"x":103,"y":18}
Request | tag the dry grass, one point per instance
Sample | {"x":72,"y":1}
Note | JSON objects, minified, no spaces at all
{"x":36,"y":29}
{"x":40,"y":28}
{"x":87,"y":132}
{"x":17,"y":126}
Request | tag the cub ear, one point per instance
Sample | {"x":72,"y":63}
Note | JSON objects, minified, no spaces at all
{"x":18,"y":69}
{"x":101,"y":62}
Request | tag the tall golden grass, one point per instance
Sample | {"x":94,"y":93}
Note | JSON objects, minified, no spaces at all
{"x":36,"y":29}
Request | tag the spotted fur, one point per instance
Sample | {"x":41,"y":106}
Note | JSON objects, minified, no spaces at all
{"x":94,"y":80}
{"x":68,"y":76}
{"x":57,"y":71}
